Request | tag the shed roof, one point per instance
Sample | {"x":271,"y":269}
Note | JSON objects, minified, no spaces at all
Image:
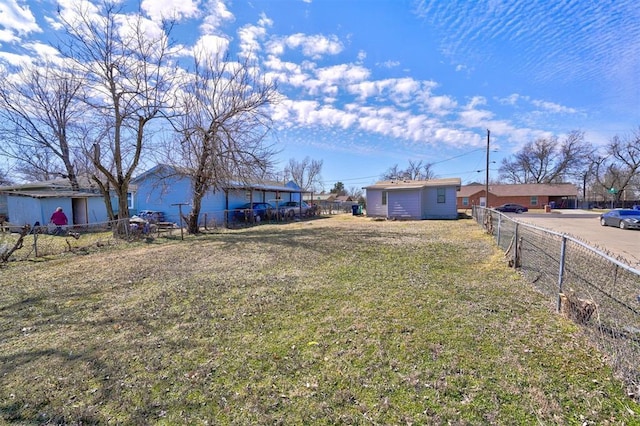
{"x":522,"y":190}
{"x":391,"y":185}
{"x":51,"y":194}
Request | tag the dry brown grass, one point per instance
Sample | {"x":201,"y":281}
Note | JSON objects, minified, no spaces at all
{"x":340,"y":320}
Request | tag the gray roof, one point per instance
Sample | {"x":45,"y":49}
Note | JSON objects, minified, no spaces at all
{"x":391,"y":185}
{"x":51,"y":194}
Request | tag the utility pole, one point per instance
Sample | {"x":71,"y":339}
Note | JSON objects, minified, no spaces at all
{"x":486,"y":182}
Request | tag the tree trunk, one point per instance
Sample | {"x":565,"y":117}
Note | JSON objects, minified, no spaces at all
{"x":192,"y":220}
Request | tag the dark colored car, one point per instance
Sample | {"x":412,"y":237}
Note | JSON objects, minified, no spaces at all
{"x":512,"y":208}
{"x":621,"y":218}
{"x":260,"y":212}
{"x":294,"y":208}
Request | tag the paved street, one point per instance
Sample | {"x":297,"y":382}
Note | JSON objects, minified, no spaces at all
{"x":585,"y":226}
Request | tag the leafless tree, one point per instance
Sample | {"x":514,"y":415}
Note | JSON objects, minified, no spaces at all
{"x":39,"y":111}
{"x":222,"y":126}
{"x":619,"y":169}
{"x":393,"y":172}
{"x":417,"y":170}
{"x":127,"y":68}
{"x":4,"y":178}
{"x":305,"y":173}
{"x":355,"y":193}
{"x":547,"y":160}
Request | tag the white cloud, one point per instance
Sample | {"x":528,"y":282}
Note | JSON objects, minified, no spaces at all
{"x":343,"y":73}
{"x":512,"y":99}
{"x":17,"y":20}
{"x":475,"y":101}
{"x":389,"y":64}
{"x":553,"y":107}
{"x":15,"y":59}
{"x":440,"y":105}
{"x":210,"y":46}
{"x":313,"y":46}
{"x":217,"y":14}
{"x":177,"y":10}
{"x":251,"y":36}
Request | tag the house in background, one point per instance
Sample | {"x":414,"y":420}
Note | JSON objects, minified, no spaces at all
{"x":413,"y":199}
{"x":331,"y":202}
{"x":166,"y":189}
{"x":34,"y":202}
{"x":531,"y":195}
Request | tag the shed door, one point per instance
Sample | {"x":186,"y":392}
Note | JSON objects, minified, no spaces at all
{"x":79,"y":206}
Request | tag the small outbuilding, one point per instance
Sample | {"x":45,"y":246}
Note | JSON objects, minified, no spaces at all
{"x":413,"y":199}
{"x":29,"y":203}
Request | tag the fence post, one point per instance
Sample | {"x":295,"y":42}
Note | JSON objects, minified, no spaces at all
{"x":498,"y":232}
{"x":563,"y":246}
{"x":515,"y":246}
{"x":35,"y":242}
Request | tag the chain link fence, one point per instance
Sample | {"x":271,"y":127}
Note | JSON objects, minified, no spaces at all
{"x":595,"y":290}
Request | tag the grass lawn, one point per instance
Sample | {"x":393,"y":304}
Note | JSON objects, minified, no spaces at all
{"x":342,"y":320}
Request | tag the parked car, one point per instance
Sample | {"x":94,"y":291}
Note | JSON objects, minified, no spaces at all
{"x":258,"y":211}
{"x":512,"y":208}
{"x":294,"y":208}
{"x":621,"y":218}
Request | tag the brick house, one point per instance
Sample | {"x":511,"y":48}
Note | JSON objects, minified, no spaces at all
{"x":530,"y":195}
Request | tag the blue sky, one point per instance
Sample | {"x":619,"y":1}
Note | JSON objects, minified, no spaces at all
{"x":371,"y":84}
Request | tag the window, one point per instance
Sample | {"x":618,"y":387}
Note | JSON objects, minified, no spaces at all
{"x":465,"y":201}
{"x":441,"y":195}
{"x":130,"y":199}
{"x":384,"y":198}
{"x":534,"y":200}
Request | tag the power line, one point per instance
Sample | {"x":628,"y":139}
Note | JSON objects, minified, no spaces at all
{"x":431,"y":164}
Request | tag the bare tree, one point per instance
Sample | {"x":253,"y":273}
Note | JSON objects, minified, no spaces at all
{"x":305,"y":173}
{"x":619,"y":169}
{"x":546,"y":160}
{"x":39,"y":107}
{"x":4,"y":178}
{"x":355,"y":193}
{"x":393,"y":172}
{"x":125,"y":61}
{"x":417,"y":170}
{"x":222,"y":126}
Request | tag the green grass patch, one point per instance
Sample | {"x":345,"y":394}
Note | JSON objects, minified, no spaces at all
{"x":342,"y":320}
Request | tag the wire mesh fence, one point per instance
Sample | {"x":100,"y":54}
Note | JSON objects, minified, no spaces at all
{"x":600,"y":293}
{"x":31,"y":242}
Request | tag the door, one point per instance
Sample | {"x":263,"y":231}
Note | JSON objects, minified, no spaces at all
{"x":79,"y":206}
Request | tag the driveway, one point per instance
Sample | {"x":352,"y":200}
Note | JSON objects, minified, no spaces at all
{"x":585,"y":226}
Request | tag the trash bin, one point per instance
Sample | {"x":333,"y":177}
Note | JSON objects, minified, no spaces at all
{"x":360,"y":209}
{"x":354,"y":209}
